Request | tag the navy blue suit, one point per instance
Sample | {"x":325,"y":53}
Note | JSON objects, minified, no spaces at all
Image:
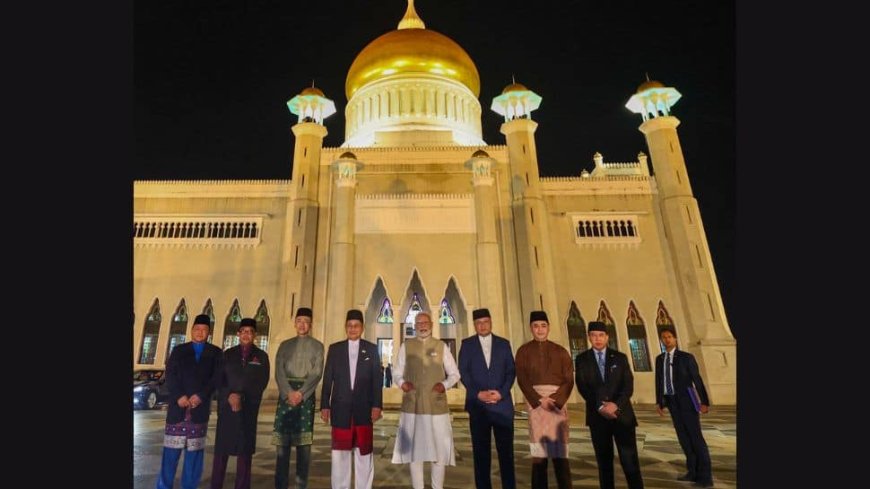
{"x":616,"y":387}
{"x":686,"y":420}
{"x":484,"y":418}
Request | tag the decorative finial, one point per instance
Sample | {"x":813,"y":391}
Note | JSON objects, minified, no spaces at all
{"x":312,"y":83}
{"x":411,"y":20}
{"x":647,"y":75}
{"x":513,"y":80}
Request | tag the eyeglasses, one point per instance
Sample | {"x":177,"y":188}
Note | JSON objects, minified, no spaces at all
{"x":424,"y":322}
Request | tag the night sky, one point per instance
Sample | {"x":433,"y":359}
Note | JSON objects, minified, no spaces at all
{"x":212,"y":78}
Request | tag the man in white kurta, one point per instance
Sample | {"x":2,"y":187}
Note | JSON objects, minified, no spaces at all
{"x":425,"y":370}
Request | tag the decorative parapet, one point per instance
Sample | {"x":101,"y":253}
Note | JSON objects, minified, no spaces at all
{"x":414,"y":197}
{"x":207,"y":230}
{"x":603,"y":168}
{"x":208,"y":189}
{"x":600,"y":185}
{"x":605,"y":228}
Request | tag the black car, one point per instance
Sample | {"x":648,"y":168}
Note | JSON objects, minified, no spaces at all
{"x":149,"y":389}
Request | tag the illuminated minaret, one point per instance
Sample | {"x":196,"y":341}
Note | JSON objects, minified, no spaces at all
{"x":300,"y":233}
{"x":534,"y":258}
{"x":707,"y":327}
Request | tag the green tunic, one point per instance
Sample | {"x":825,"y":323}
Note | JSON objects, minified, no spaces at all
{"x":298,"y":367}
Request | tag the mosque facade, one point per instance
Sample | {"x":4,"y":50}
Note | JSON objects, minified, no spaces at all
{"x":415,"y":212}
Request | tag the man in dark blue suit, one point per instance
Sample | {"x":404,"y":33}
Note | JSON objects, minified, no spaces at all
{"x":673,"y":388}
{"x":605,"y":381}
{"x":486,"y":368}
{"x":352,"y":400}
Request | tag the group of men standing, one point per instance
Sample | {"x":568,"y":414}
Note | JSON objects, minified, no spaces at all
{"x":352,"y":402}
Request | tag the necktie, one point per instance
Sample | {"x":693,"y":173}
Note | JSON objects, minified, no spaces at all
{"x":669,"y":384}
{"x":601,"y":363}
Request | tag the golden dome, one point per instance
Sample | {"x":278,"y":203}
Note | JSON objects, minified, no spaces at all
{"x":412,"y":49}
{"x":313,"y":91}
{"x":514,"y":87}
{"x":480,"y":154}
{"x":649,"y":84}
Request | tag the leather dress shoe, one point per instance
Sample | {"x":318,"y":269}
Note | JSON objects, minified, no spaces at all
{"x":703,"y":484}
{"x":686,"y":477}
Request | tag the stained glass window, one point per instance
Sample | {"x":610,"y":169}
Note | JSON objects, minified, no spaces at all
{"x":148,"y":350}
{"x":446,"y":315}
{"x":263,"y":323}
{"x":385,"y":315}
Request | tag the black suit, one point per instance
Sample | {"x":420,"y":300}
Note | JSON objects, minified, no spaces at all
{"x":185,"y":377}
{"x":617,"y":387}
{"x":346,"y":404}
{"x":686,"y":420}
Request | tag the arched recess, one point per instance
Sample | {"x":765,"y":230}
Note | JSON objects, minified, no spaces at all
{"x":231,"y":325}
{"x":263,"y":324}
{"x":379,"y":319}
{"x":576,"y":331}
{"x":605,"y":317}
{"x":452,"y":317}
{"x":637,"y":343}
{"x":177,"y":328}
{"x":663,"y":321}
{"x":208,"y":310}
{"x":415,"y":301}
{"x":150,"y":333}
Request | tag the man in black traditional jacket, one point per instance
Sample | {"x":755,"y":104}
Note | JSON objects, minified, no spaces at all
{"x":242,"y":381}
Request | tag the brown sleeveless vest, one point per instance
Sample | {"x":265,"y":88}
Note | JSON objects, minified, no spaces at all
{"x":424,"y":367}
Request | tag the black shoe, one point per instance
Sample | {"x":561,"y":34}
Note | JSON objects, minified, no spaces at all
{"x":703,"y":484}
{"x":686,"y":477}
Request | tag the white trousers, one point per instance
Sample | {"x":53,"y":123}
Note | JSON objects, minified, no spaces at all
{"x":364,"y":466}
{"x":437,"y":475}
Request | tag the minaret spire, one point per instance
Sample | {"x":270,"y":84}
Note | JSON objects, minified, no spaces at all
{"x":411,"y":20}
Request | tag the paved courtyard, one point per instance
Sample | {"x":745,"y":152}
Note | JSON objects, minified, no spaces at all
{"x":660,"y":455}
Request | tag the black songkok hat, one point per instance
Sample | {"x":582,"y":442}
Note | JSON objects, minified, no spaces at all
{"x":203,"y":319}
{"x":480,"y":313}
{"x":304,"y":311}
{"x":596,"y":326}
{"x":354,"y":314}
{"x":538,"y":316}
{"x":248,"y":322}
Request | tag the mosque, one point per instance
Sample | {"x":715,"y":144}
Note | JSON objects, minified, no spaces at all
{"x":415,"y":212}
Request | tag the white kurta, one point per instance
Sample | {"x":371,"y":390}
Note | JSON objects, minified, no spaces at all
{"x":425,"y":437}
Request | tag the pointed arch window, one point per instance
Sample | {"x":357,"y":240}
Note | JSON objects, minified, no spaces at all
{"x":605,"y":317}
{"x":231,"y":326}
{"x":576,"y":331}
{"x":263,"y":323}
{"x":445,"y":316}
{"x":637,"y":340}
{"x":148,"y":348}
{"x":178,"y":328}
{"x":208,"y":310}
{"x":385,"y":314}
{"x":416,"y":308}
{"x":663,"y":321}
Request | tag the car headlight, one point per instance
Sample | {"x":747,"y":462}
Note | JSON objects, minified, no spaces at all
{"x":139,"y":389}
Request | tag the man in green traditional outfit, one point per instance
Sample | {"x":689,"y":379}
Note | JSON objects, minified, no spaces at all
{"x":298,"y":368}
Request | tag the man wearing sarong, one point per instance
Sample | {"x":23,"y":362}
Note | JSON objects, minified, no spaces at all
{"x":191,"y":376}
{"x":242,"y":382}
{"x":351,"y":401}
{"x":545,"y":374}
{"x":298,"y":368}
{"x":424,"y":370}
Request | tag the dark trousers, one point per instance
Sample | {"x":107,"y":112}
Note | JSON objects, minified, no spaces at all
{"x":687,"y":423}
{"x":243,"y":471}
{"x":502,"y":427}
{"x":603,"y":436}
{"x":560,"y":466}
{"x":282,"y":466}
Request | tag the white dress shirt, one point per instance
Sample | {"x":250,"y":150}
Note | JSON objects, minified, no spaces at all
{"x":486,"y":345}
{"x":352,"y":357}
